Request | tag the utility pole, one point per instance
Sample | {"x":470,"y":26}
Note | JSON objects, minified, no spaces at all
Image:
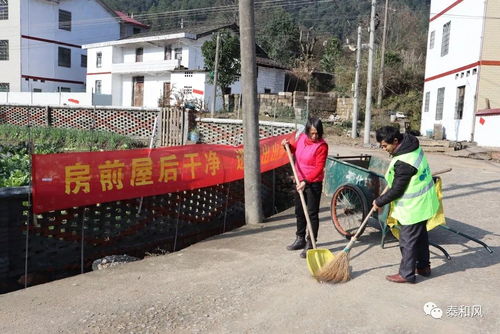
{"x":355,"y":110}
{"x":251,"y":149}
{"x":369,"y":77}
{"x":382,"y":59}
{"x":216,"y":69}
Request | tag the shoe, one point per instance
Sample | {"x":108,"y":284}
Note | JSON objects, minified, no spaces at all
{"x":308,"y":246}
{"x":397,"y":278}
{"x":426,"y":272}
{"x":299,"y":243}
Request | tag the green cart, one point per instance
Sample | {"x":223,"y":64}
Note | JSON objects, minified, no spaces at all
{"x":354,"y":182}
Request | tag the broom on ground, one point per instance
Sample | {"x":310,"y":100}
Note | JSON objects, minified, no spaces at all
{"x":337,"y":270}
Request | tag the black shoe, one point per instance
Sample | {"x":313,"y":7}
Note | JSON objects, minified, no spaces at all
{"x":299,"y":243}
{"x":426,"y":272}
{"x":308,"y":246}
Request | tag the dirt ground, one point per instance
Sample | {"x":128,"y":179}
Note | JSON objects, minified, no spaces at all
{"x":245,"y":281}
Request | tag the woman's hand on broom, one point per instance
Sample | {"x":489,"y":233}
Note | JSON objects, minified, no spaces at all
{"x":285,"y":142}
{"x":301,"y":186}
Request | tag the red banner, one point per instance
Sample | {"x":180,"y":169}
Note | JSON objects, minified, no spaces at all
{"x":77,"y":179}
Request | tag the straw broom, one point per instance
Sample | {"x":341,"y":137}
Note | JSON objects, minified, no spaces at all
{"x":337,"y":270}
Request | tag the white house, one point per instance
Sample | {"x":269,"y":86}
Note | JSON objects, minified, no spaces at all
{"x":462,"y":70}
{"x":40,"y":41}
{"x":141,"y":70}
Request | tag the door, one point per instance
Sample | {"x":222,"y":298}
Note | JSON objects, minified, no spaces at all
{"x":167,"y":92}
{"x":138,"y":91}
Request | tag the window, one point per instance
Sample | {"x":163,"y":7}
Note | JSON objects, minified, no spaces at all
{"x":188,"y":74}
{"x":431,"y":40}
{"x":98,"y":59}
{"x":459,"y":104}
{"x":37,"y":90}
{"x":98,"y":86}
{"x":64,"y":89}
{"x":64,"y":57}
{"x":426,"y":102}
{"x":167,"y":52}
{"x":4,"y":9}
{"x":64,"y":20}
{"x":440,"y":104}
{"x":4,"y":87}
{"x":267,"y":90}
{"x":187,"y":90}
{"x":4,"y":49}
{"x":178,"y":53}
{"x":136,"y":30}
{"x":138,"y":55}
{"x":83,"y":61}
{"x":445,"y":44}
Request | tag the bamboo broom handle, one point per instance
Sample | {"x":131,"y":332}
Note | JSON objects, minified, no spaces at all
{"x":365,"y":221}
{"x":302,"y":199}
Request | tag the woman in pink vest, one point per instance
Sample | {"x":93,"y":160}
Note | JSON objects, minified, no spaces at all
{"x":310,"y":152}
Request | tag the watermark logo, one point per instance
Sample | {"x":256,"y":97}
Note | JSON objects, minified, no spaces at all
{"x":431,"y":309}
{"x":453,"y":311}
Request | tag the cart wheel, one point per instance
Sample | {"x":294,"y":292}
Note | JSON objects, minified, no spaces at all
{"x":348,"y":209}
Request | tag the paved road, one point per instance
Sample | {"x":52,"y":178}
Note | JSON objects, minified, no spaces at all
{"x":244,"y":281}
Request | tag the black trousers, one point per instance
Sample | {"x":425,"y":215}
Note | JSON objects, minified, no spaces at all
{"x":312,"y":194}
{"x":414,"y":246}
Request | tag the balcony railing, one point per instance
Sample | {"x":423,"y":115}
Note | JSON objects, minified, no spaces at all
{"x":146,"y":67}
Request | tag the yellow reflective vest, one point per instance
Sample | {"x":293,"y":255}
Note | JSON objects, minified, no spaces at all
{"x":420,"y":201}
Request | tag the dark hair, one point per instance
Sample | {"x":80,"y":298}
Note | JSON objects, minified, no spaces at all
{"x":388,"y":134}
{"x":316,"y":123}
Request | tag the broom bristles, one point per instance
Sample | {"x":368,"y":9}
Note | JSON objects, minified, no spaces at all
{"x":335,"y":271}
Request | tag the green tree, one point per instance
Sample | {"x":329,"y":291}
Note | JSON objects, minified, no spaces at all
{"x":279,"y":36}
{"x":331,"y":55}
{"x":229,"y":59}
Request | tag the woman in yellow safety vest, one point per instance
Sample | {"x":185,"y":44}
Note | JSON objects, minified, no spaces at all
{"x":412,"y":190}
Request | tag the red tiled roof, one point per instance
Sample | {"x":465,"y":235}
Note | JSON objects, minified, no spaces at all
{"x":127,"y":19}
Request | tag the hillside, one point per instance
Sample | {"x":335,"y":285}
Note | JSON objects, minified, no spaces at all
{"x":328,"y":25}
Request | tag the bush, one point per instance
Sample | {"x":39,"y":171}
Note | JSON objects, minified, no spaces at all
{"x":15,"y":160}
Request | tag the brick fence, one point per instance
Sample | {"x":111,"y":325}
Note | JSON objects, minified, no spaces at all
{"x":66,"y":242}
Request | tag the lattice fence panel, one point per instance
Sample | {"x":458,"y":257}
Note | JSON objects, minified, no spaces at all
{"x":137,"y":124}
{"x":23,"y":115}
{"x":231,"y":132}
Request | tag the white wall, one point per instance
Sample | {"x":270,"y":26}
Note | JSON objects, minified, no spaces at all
{"x":153,"y":89}
{"x":466,"y":28}
{"x":270,"y":78}
{"x":464,"y":49}
{"x":10,"y":70}
{"x":196,"y":81}
{"x":24,"y":98}
{"x":487,"y":134}
{"x":90,"y":22}
{"x":100,"y":73}
{"x":454,"y":129}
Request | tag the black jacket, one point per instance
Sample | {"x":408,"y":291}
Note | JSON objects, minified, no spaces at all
{"x":403,"y":172}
